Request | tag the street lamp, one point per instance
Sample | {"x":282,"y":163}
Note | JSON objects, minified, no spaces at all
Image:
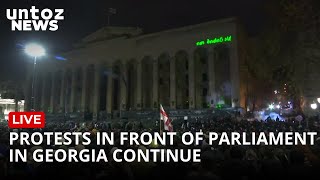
{"x":318,"y":99}
{"x":34,"y":50}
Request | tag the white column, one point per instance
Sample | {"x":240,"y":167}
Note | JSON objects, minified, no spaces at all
{"x":84,"y":89}
{"x":155,"y":82}
{"x":63,"y":91}
{"x":109,"y":94}
{"x":173,"y":99}
{"x":139,"y":89}
{"x":53,"y":92}
{"x":211,"y":75}
{"x":123,"y":86}
{"x":37,"y":91}
{"x":191,"y":80}
{"x":73,"y":89}
{"x":43,"y":93}
{"x":234,"y":74}
{"x":96,"y":92}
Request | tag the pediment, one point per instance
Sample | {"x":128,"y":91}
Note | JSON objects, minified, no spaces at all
{"x":110,"y":32}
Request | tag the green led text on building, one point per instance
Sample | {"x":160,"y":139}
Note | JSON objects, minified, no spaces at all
{"x":214,"y":40}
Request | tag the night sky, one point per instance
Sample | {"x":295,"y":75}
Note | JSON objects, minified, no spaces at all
{"x":83,"y":17}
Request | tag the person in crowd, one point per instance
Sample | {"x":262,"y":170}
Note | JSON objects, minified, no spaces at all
{"x":217,"y":162}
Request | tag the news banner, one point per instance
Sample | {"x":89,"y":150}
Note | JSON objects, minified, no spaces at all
{"x":159,"y":143}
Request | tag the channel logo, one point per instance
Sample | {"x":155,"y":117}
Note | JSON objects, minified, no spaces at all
{"x":34,"y":19}
{"x":18,"y":120}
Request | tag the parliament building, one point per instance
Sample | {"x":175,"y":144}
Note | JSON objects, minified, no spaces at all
{"x":122,"y":69}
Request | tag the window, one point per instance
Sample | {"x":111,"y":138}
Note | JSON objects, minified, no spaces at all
{"x":204,"y":77}
{"x":204,"y":91}
{"x":203,"y":60}
{"x":160,"y":81}
{"x":160,"y":66}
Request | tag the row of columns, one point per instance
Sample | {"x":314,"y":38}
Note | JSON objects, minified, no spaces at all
{"x":124,"y":90}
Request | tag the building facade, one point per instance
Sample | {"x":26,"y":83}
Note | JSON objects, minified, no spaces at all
{"x":121,"y":69}
{"x":11,"y":98}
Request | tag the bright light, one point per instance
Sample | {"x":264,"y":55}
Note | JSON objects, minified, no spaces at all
{"x":278,"y":106}
{"x":5,"y":112}
{"x":275,"y":92}
{"x":271,"y":106}
{"x":318,"y":99}
{"x":34,"y":50}
{"x":313,"y":106}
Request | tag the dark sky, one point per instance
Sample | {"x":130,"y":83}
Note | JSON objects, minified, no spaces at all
{"x":83,"y":17}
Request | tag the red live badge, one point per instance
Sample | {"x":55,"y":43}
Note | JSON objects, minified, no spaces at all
{"x":26,"y":120}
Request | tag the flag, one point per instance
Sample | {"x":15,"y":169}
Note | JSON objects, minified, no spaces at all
{"x":166,"y":121}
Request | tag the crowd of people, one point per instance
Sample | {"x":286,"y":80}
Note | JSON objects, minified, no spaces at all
{"x":217,"y":162}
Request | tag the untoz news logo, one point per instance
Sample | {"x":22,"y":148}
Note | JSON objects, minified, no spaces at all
{"x":34,"y":19}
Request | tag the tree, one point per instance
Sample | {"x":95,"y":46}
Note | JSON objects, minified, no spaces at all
{"x":288,"y":46}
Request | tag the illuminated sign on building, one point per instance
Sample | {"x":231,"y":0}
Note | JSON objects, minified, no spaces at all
{"x":215,"y":40}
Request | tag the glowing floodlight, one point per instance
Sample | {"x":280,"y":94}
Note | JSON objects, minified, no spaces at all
{"x":34,"y":50}
{"x":313,"y":106}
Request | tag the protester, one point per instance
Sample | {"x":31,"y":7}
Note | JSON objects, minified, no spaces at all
{"x":217,"y":162}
